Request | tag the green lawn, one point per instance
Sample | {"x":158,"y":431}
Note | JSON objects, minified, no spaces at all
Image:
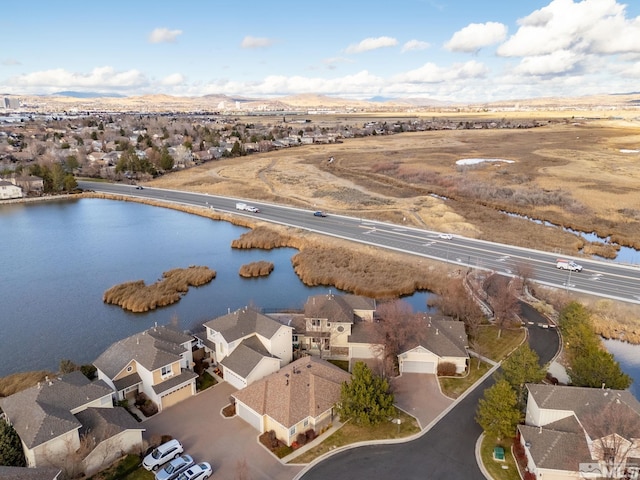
{"x":205,"y":381}
{"x":496,"y":348}
{"x":343,"y":364}
{"x":454,"y":387}
{"x":350,"y":433}
{"x":495,"y":468}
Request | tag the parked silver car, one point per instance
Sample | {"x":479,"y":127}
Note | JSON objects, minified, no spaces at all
{"x":176,"y":466}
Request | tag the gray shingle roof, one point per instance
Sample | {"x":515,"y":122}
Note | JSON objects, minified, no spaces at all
{"x":445,"y":338}
{"x":364,"y":332}
{"x":25,"y":473}
{"x":43,"y":412}
{"x":184,"y":377}
{"x":555,"y":449}
{"x":154,"y":348}
{"x":243,"y":322}
{"x":304,"y":388}
{"x":246,"y":356}
{"x":103,"y":423}
{"x":128,"y":381}
{"x":332,"y":307}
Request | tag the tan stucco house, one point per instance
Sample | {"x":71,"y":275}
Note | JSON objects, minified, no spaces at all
{"x":157,"y":362}
{"x":299,"y":397}
{"x":442,"y":341}
{"x":54,"y":418}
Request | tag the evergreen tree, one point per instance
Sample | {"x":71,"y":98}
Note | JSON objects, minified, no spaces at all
{"x":11,"y":454}
{"x":520,"y":368}
{"x":498,"y":413}
{"x":597,"y":367}
{"x":366,"y":399}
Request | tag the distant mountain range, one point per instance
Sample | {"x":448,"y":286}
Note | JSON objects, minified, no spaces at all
{"x":73,"y":94}
{"x":65,"y":100}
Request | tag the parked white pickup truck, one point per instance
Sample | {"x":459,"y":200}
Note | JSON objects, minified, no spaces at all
{"x":564,"y":264}
{"x":247,"y":208}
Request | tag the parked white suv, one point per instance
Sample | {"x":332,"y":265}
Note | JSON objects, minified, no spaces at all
{"x":161,"y":455}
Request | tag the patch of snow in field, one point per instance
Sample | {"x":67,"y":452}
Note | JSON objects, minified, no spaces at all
{"x":626,"y":150}
{"x":475,"y":161}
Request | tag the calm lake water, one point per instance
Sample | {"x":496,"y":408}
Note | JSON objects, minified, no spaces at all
{"x":60,"y":257}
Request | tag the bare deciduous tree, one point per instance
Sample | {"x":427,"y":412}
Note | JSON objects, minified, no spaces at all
{"x":505,"y":308}
{"x":397,"y":326}
{"x":614,"y":430}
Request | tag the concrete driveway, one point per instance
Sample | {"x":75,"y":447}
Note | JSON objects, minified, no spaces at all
{"x":223,"y":442}
{"x":419,"y":395}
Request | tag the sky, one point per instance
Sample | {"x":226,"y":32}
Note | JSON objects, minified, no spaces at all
{"x":448,"y":50}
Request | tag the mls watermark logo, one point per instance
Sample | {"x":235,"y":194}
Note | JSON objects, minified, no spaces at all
{"x":630,"y":471}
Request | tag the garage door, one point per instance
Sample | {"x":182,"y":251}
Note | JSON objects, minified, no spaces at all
{"x":418,"y":367}
{"x":249,"y":416}
{"x":176,"y":396}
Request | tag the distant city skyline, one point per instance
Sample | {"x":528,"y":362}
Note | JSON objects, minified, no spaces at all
{"x":448,"y":50}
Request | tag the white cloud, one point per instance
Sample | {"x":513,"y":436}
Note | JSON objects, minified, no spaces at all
{"x":173,"y":79}
{"x":371,"y":44}
{"x":256,"y":42}
{"x":10,"y":62}
{"x":475,"y":36}
{"x":414,"y":45}
{"x":587,"y":26}
{"x":98,"y":78}
{"x":432,"y":73}
{"x":164,"y":35}
{"x":556,"y":63}
{"x":332,"y":62}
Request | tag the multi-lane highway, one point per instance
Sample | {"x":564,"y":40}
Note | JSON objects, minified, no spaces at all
{"x":606,"y":279}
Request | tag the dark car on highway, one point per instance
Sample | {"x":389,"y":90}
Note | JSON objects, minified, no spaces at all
{"x":319,"y":214}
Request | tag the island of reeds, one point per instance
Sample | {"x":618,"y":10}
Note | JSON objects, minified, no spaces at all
{"x":261,"y":268}
{"x":137,"y":297}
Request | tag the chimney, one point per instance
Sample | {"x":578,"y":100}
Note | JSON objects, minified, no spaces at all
{"x":137,"y":340}
{"x":436,"y":331}
{"x":540,"y":429}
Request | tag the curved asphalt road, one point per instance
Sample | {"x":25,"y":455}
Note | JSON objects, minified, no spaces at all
{"x":447,"y":451}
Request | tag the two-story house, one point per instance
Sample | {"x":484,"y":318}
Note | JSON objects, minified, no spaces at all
{"x":329,"y":321}
{"x":578,"y":432}
{"x":248,"y":345}
{"x":158,"y":362}
{"x":55,"y":418}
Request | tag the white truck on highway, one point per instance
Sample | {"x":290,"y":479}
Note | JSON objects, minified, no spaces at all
{"x":247,"y":208}
{"x":564,"y":264}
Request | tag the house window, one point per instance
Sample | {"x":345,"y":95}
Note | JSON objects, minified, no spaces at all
{"x":340,"y":329}
{"x":166,"y":371}
{"x":315,"y":322}
{"x":306,"y":422}
{"x":292,"y":431}
{"x":328,"y":324}
{"x":129,"y":368}
{"x":315,"y":340}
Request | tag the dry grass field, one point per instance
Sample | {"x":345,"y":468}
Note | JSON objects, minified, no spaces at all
{"x":571,"y":172}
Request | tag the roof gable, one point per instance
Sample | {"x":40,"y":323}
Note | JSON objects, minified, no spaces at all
{"x":304,"y":388}
{"x":244,"y":322}
{"x":445,"y":338}
{"x":332,"y":307}
{"x":246,"y":356}
{"x":154,"y":348}
{"x":43,"y":412}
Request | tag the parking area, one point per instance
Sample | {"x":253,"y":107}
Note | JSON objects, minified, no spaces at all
{"x":229,"y":444}
{"x":419,"y":395}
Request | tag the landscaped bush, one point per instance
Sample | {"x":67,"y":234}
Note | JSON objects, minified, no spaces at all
{"x":301,"y":439}
{"x":146,"y":406}
{"x":229,"y":411}
{"x":311,"y":435}
{"x":446,"y":369}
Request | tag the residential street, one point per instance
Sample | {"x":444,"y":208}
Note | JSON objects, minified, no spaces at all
{"x":447,"y":451}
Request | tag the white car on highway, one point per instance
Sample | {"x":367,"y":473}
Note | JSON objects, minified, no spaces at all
{"x":445,"y":236}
